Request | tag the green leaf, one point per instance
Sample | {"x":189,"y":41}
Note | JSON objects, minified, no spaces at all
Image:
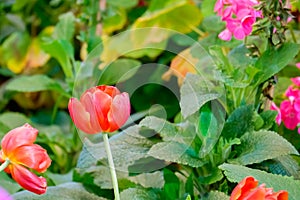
{"x":34,"y":83}
{"x":123,"y":3}
{"x":62,"y":51}
{"x":235,"y":173}
{"x":262,"y":145}
{"x":66,"y":191}
{"x":138,"y":194}
{"x":65,"y":28}
{"x":8,"y":184}
{"x":268,"y":117}
{"x":114,"y":18}
{"x":176,"y":152}
{"x":172,"y":185}
{"x":194,"y":93}
{"x":13,"y":119}
{"x":182,"y":133}
{"x":239,"y":122}
{"x":118,"y":71}
{"x":273,"y":60}
{"x":127,"y":147}
{"x":176,"y":15}
{"x":211,"y":122}
{"x":149,"y":180}
{"x":216,"y":195}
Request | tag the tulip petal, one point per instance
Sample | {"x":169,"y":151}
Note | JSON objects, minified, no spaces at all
{"x":103,"y":104}
{"x":88,"y":103}
{"x":24,"y":135}
{"x":80,"y":116}
{"x":110,"y":90}
{"x":120,"y":111}
{"x":28,"y":180}
{"x":32,"y":156}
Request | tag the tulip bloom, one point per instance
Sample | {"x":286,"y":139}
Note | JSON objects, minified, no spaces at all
{"x":247,"y":189}
{"x":19,"y":150}
{"x":100,"y":109}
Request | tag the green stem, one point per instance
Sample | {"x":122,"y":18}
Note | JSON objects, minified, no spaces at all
{"x":111,"y":167}
{"x":4,"y":165}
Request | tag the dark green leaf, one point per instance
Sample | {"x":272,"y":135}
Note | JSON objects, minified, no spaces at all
{"x":138,"y":194}
{"x":273,"y":60}
{"x":239,"y":122}
{"x":172,"y":185}
{"x":235,"y":173}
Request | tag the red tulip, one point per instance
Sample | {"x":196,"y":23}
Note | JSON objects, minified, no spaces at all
{"x":18,"y":148}
{"x":100,"y":109}
{"x":247,"y":189}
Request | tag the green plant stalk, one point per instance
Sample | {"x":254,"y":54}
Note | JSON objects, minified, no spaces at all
{"x":111,"y":167}
{"x":4,"y":165}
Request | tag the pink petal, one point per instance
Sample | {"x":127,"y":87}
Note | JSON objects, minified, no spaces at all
{"x":278,"y":117}
{"x":225,"y":35}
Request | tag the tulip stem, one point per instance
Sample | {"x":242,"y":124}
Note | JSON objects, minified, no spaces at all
{"x":111,"y":167}
{"x":4,"y":165}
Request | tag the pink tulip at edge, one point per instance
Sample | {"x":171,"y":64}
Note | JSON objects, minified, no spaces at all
{"x":4,"y":195}
{"x":17,"y":146}
{"x":100,"y":109}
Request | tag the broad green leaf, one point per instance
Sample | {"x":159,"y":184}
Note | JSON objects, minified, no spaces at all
{"x":13,"y":119}
{"x":123,"y":3}
{"x":66,"y":191}
{"x":118,"y":71}
{"x":268,"y":118}
{"x":194,"y":93}
{"x":207,"y":8}
{"x":127,"y":147}
{"x":33,"y":83}
{"x":138,"y":194}
{"x":181,"y":133}
{"x":239,"y":122}
{"x":262,"y":145}
{"x":239,"y":57}
{"x":216,"y":195}
{"x":176,"y":152}
{"x":235,"y":173}
{"x":213,"y":175}
{"x":211,"y":122}
{"x":65,"y":28}
{"x":114,"y":18}
{"x":273,"y":60}
{"x":149,"y":180}
{"x":290,"y":165}
{"x":62,"y":51}
{"x":181,"y":16}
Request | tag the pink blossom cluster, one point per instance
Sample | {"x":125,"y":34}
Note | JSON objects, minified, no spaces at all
{"x":239,"y":15}
{"x":289,"y":111}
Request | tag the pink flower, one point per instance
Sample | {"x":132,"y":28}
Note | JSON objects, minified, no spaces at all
{"x":278,"y":117}
{"x":4,"y":195}
{"x":289,"y":114}
{"x":298,"y":65}
{"x":239,"y":16}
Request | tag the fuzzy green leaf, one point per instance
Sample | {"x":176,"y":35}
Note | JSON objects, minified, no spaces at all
{"x":176,"y":152}
{"x":194,"y":93}
{"x":138,"y":194}
{"x":216,"y":195}
{"x":262,"y":145}
{"x":235,"y":173}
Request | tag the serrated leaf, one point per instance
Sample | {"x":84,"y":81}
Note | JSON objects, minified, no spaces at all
{"x":33,"y":83}
{"x":239,"y":122}
{"x":262,"y":145}
{"x":138,"y":194}
{"x":211,"y":122}
{"x":175,"y":152}
{"x":118,"y":71}
{"x":216,"y":195}
{"x":235,"y":173}
{"x":170,"y":14}
{"x":273,"y":60}
{"x":182,"y":133}
{"x":66,"y":191}
{"x":194,"y":93}
{"x":126,"y":147}
{"x":65,"y":28}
